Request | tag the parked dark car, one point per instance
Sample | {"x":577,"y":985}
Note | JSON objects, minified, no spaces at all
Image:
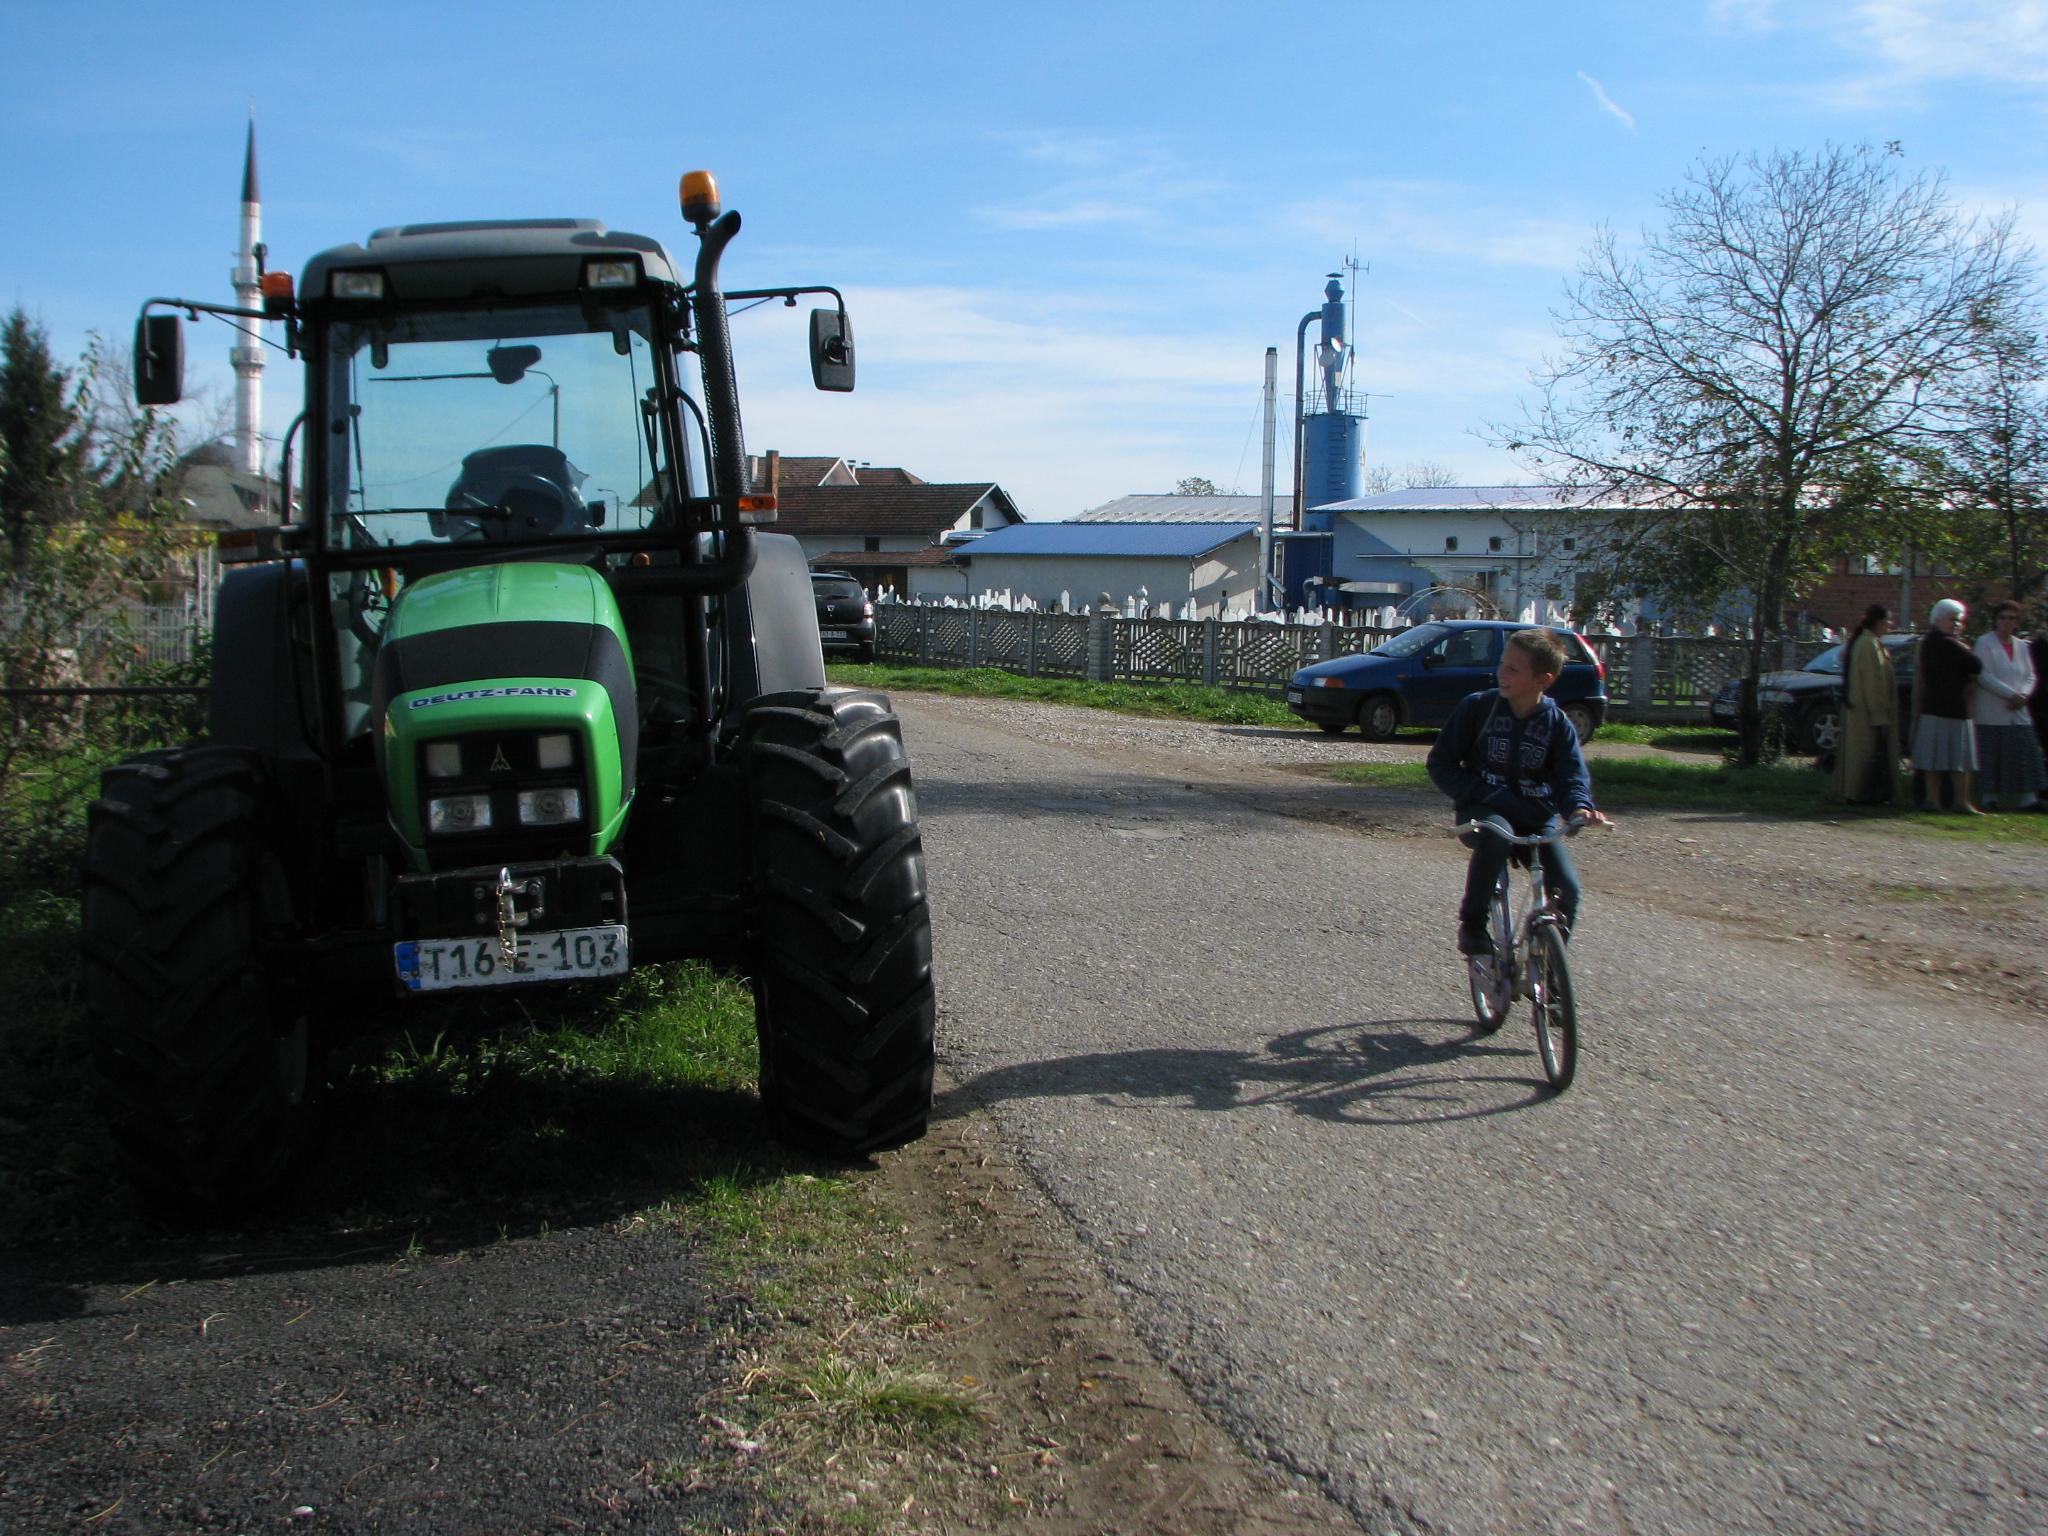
{"x":1810,"y":699}
{"x":846,"y":619}
{"x":1417,"y":676}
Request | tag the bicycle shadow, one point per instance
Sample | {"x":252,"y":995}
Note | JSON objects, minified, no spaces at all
{"x":1379,"y":1072}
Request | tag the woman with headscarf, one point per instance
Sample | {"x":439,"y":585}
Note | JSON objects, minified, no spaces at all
{"x":2012,"y":772}
{"x":1944,"y":739}
{"x":1867,"y":766}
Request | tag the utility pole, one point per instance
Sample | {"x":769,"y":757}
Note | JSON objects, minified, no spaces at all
{"x":1263,"y":603}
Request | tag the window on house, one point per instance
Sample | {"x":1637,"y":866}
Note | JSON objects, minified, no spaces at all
{"x":1451,"y":545}
{"x":974,"y":517}
{"x":1570,"y":545}
{"x":871,"y":543}
{"x":1493,"y":544}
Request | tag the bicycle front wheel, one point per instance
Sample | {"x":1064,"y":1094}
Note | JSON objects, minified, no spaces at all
{"x":1492,"y":977}
{"x":1550,"y":993}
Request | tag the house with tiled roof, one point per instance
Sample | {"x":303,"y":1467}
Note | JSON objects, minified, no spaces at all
{"x":900,"y":537}
{"x":887,"y":527}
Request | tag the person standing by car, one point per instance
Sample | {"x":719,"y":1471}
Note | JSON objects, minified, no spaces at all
{"x":1510,"y":756}
{"x":1867,"y":766}
{"x":2037,"y":647}
{"x":1944,"y":737}
{"x":2012,"y":773}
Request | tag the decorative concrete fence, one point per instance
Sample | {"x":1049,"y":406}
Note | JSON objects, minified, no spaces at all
{"x":1654,"y":679}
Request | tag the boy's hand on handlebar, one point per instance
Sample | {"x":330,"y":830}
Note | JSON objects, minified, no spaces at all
{"x":1589,"y":817}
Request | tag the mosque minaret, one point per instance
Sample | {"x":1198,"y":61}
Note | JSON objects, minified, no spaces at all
{"x":247,"y":353}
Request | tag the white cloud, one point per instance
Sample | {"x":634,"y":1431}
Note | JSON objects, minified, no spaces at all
{"x":1607,"y":102}
{"x":1440,"y":219}
{"x":1907,"y":43}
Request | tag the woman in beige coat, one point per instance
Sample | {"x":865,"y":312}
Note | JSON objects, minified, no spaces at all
{"x":1867,"y":766}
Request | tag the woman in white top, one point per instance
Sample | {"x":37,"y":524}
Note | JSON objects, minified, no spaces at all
{"x":2009,"y":757}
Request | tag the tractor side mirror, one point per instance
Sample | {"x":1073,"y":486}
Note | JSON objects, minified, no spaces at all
{"x":159,"y":360}
{"x":832,"y":349}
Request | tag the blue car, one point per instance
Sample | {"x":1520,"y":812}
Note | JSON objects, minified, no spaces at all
{"x":1417,"y":676}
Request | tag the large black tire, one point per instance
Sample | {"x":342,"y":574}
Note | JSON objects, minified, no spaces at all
{"x":207,"y":1073}
{"x":842,"y":954}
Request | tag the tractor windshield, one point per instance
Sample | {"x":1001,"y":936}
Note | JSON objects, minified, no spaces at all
{"x":482,"y":426}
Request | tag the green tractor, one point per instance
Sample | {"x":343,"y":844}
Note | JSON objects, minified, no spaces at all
{"x":492,"y":711}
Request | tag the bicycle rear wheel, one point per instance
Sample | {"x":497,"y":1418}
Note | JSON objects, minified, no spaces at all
{"x":1550,"y":997}
{"x":1492,"y":977}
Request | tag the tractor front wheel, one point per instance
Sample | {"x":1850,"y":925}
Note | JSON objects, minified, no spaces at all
{"x":842,"y":952}
{"x":208,"y":1077}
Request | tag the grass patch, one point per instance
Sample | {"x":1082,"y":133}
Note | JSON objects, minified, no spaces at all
{"x":1766,"y":790}
{"x":1175,"y":701}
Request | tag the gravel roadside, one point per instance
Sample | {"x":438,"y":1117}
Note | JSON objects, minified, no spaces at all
{"x":1920,"y":911}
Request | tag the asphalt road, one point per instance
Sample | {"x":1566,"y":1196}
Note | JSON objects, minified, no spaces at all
{"x":1775,"y":1263}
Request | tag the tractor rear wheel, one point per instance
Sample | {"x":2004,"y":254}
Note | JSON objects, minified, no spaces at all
{"x":208,"y":1078}
{"x":842,"y":952}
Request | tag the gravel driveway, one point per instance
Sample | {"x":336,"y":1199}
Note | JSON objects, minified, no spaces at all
{"x":1775,"y":1263}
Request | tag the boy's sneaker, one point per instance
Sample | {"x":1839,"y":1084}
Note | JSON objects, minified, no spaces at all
{"x":1473,"y":939}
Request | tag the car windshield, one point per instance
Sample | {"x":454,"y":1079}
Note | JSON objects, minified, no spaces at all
{"x":1409,"y":641}
{"x":492,"y":425}
{"x":1829,"y":660}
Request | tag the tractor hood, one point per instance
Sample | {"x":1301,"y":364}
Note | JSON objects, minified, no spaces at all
{"x":491,"y":659}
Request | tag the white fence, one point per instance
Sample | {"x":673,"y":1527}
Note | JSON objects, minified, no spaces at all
{"x":1650,"y":678}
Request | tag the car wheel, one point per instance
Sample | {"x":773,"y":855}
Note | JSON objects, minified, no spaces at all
{"x":1581,"y":717}
{"x":1379,"y":717}
{"x":1820,"y":727}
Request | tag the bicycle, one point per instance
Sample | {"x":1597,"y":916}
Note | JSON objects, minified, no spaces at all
{"x":1528,"y":960}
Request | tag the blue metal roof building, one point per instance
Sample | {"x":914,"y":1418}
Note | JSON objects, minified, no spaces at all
{"x":1212,"y":566}
{"x":1187,"y":540}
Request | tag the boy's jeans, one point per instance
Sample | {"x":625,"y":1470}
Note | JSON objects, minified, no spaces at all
{"x":1490,"y":857}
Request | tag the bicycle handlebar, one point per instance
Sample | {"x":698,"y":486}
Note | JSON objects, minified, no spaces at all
{"x":1520,"y":839}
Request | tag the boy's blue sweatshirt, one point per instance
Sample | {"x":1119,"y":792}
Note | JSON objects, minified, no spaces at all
{"x":1526,"y":769}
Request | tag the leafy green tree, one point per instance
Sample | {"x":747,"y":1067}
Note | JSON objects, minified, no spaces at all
{"x":1194,"y":485}
{"x":1753,"y":379}
{"x":41,"y":444}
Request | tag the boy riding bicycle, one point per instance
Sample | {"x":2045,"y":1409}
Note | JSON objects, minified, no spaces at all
{"x":1511,"y":757}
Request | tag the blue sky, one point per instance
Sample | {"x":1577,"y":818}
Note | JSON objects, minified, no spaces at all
{"x":1067,"y":232}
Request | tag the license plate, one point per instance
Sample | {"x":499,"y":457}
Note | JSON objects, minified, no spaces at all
{"x":831,"y":634}
{"x":560,"y":954}
{"x":1294,"y":695}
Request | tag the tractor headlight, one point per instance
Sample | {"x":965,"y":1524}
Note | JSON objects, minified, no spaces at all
{"x":550,"y":807}
{"x":444,"y":759}
{"x":556,"y":752}
{"x":355,"y":285}
{"x":459,"y":813}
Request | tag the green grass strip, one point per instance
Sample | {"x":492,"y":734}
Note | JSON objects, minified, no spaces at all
{"x":1176,"y":701}
{"x":1767,"y":790}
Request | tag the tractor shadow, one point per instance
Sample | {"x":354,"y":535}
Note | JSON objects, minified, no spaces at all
{"x":429,"y":1166}
{"x":1386,"y":1072}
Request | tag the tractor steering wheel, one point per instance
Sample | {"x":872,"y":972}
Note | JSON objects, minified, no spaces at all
{"x":527,"y":504}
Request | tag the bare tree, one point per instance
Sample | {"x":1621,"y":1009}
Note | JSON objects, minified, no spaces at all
{"x":1993,"y":473}
{"x":1420,"y":474}
{"x":1751,"y":379}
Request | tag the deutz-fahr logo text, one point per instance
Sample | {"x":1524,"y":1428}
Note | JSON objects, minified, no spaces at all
{"x":492,"y":693}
